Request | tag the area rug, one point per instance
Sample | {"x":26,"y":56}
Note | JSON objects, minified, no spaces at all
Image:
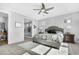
{"x":11,"y":50}
{"x":41,"y":49}
{"x":73,"y":49}
{"x":28,"y":45}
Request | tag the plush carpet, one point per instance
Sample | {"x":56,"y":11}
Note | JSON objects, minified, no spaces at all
{"x":21,"y":48}
{"x":11,"y":50}
{"x":28,"y":45}
{"x":73,"y":49}
{"x":17,"y":49}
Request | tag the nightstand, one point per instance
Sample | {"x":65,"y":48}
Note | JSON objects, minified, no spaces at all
{"x":69,"y":38}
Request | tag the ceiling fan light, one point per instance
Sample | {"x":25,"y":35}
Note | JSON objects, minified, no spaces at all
{"x":42,"y":10}
{"x":68,"y":21}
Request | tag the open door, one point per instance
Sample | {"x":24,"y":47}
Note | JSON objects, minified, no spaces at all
{"x":27,"y":29}
{"x":3,"y":28}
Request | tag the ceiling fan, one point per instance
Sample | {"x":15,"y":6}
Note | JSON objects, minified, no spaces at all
{"x":44,"y":9}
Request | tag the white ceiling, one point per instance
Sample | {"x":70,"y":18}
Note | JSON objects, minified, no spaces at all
{"x":26,"y":9}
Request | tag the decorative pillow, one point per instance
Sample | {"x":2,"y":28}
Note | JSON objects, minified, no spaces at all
{"x":39,"y":36}
{"x":55,"y":38}
{"x":60,"y":39}
{"x":49,"y":37}
{"x":60,"y":33}
{"x":49,"y":40}
{"x":36,"y":36}
{"x":52,"y":37}
{"x":44,"y":37}
{"x":60,"y":36}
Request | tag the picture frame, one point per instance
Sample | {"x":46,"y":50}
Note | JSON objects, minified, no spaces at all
{"x":18,"y":24}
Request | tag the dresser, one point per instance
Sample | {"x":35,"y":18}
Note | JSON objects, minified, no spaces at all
{"x":3,"y":38}
{"x":69,"y":38}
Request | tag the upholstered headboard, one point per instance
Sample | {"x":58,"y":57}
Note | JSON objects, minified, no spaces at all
{"x":53,"y":29}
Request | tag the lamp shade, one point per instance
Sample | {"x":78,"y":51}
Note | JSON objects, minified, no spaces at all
{"x":69,"y":21}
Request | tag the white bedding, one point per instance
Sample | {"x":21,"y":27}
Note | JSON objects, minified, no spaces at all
{"x":58,"y":37}
{"x":50,"y":37}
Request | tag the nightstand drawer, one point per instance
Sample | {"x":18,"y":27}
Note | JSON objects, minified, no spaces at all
{"x":69,"y":38}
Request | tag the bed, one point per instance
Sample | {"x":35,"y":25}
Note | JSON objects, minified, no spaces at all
{"x":49,"y":43}
{"x":52,"y":38}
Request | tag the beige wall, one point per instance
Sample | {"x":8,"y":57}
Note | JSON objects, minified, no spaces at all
{"x":15,"y":34}
{"x":59,"y":21}
{"x":34,"y":30}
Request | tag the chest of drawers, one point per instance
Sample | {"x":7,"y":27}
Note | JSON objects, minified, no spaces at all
{"x":69,"y":38}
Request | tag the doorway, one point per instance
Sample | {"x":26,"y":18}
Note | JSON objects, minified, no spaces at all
{"x":27,"y":30}
{"x":3,"y":28}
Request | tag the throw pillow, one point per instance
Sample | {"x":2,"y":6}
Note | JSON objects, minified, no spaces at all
{"x":44,"y":37}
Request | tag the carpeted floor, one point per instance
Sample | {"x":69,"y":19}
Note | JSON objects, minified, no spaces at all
{"x":73,"y":49}
{"x":22,"y":47}
{"x":11,"y":50}
{"x":29,"y":45}
{"x":14,"y":49}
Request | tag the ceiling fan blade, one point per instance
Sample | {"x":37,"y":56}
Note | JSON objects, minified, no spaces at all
{"x":36,"y":9}
{"x":43,"y":6}
{"x":45,"y":12}
{"x":49,"y":9}
{"x":39,"y":12}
